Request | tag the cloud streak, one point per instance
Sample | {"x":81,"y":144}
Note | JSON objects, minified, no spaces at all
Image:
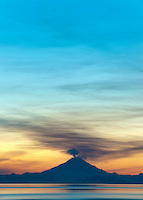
{"x":89,"y":147}
{"x":60,"y":135}
{"x":104,"y":85}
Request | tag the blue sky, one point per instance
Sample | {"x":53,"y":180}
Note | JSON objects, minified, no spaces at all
{"x":74,"y":64}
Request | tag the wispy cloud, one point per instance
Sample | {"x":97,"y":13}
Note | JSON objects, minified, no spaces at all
{"x":3,"y":159}
{"x":95,"y":86}
{"x":115,"y":84}
{"x":63,"y":136}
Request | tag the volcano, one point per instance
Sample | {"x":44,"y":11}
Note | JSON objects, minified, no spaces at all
{"x":74,"y":171}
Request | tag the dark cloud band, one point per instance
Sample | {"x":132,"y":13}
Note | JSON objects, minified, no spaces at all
{"x":60,"y":135}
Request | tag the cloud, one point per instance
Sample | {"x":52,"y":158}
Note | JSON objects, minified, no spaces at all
{"x":95,"y":86}
{"x":127,"y":84}
{"x":61,"y":135}
{"x":87,"y":146}
{"x":73,"y":152}
{"x":17,"y":153}
{"x":3,"y":159}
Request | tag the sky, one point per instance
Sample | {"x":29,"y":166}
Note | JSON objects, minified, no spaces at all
{"x":71,"y":76}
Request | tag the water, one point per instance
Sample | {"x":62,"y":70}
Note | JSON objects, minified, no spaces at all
{"x":67,"y":191}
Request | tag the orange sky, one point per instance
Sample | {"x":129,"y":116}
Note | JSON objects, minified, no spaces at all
{"x":24,"y":156}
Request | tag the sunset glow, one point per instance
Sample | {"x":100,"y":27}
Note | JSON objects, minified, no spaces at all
{"x":71,"y":76}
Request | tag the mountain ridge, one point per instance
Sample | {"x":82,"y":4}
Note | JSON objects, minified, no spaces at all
{"x":76,"y":170}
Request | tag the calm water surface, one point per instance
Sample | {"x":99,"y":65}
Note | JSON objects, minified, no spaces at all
{"x":64,"y":191}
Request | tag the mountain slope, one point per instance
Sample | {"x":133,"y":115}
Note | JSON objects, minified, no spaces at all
{"x":74,"y":170}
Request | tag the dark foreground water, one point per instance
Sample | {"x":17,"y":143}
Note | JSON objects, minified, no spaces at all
{"x":64,"y":191}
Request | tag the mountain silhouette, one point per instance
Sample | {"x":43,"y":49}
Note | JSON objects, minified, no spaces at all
{"x":75,"y":170}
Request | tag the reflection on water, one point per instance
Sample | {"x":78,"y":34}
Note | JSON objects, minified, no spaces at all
{"x":75,"y":192}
